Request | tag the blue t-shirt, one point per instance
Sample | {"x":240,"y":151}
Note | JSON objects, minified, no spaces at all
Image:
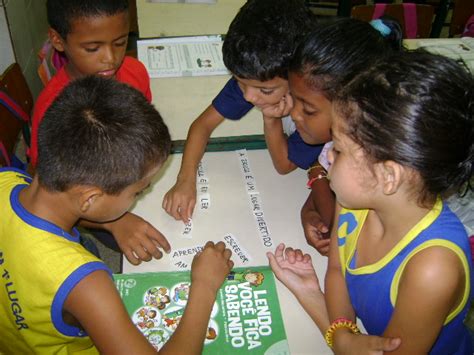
{"x":231,"y":104}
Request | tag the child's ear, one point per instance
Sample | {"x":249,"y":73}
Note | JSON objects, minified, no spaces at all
{"x":391,"y":176}
{"x":88,"y":196}
{"x":56,"y":40}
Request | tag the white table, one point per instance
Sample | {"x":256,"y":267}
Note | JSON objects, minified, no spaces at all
{"x":181,"y":100}
{"x":230,"y":212}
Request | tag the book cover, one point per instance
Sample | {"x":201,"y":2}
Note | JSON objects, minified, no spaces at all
{"x":246,"y":316}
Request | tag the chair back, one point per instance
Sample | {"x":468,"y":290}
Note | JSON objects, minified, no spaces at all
{"x":16,"y":103}
{"x":415,"y":19}
{"x":462,"y":11}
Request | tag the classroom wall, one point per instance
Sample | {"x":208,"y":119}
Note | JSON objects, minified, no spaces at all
{"x":6,"y":49}
{"x":166,"y":19}
{"x":28,"y":28}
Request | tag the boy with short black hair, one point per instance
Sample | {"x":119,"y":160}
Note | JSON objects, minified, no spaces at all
{"x":93,"y":35}
{"x":257,"y":49}
{"x":56,"y":296}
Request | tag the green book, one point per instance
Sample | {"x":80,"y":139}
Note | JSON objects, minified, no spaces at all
{"x":246,"y":316}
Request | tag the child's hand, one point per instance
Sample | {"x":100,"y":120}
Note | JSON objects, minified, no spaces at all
{"x":281,"y":109}
{"x":211,"y":266}
{"x":180,"y":200}
{"x":137,"y":238}
{"x":354,"y":344}
{"x":315,"y":231}
{"x":295,"y":270}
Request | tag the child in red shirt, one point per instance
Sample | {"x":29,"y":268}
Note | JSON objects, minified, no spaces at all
{"x":93,"y":35}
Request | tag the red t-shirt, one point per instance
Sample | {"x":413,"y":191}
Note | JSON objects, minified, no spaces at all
{"x":131,"y":72}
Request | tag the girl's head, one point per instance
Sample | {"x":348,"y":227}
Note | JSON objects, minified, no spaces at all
{"x":329,"y":56}
{"x":415,"y":110}
{"x":93,"y":34}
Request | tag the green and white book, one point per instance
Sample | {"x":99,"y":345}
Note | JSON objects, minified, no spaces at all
{"x":246,"y":316}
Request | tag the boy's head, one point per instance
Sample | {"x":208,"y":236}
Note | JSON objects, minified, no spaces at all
{"x":263,"y":36}
{"x":103,"y":134}
{"x":93,"y":34}
{"x":260,"y":42}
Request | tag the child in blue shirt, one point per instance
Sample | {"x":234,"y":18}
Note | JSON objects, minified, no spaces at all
{"x":257,"y":49}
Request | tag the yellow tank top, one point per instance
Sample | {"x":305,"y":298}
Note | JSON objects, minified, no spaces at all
{"x":39,"y":265}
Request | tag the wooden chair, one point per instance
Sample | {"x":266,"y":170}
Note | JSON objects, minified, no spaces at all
{"x":462,"y":10}
{"x":424,"y":16}
{"x":16,"y":103}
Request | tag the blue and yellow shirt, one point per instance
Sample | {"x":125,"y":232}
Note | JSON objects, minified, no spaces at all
{"x":373,"y":288}
{"x":39,"y":266}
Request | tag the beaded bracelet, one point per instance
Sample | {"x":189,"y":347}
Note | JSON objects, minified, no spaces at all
{"x":339,"y":323}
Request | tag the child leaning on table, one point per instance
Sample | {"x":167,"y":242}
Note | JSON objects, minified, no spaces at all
{"x":330,"y":55}
{"x":93,"y":34}
{"x":59,"y":298}
{"x":399,"y":260}
{"x":257,"y":49}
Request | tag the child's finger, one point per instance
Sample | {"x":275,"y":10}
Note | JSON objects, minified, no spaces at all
{"x":275,"y":266}
{"x":279,"y":251}
{"x":227,"y":253}
{"x":290,"y":255}
{"x":307,"y":258}
{"x":209,"y":244}
{"x":220,"y":246}
{"x":298,"y":255}
{"x":158,"y":238}
{"x":131,"y":257}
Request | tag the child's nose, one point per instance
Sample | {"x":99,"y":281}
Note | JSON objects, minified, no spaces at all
{"x":295,"y":113}
{"x":250,"y":95}
{"x":109,"y":56}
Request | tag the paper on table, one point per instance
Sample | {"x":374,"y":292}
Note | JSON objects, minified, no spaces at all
{"x":460,"y":49}
{"x":182,"y":56}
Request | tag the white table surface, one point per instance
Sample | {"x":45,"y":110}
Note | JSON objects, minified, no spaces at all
{"x":181,"y":100}
{"x":230,"y":212}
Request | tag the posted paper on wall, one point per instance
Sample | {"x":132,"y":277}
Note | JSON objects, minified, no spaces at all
{"x":182,"y":56}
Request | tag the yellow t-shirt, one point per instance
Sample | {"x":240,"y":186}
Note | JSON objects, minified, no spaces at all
{"x":39,"y":266}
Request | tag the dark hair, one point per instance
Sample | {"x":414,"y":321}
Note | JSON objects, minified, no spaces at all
{"x":62,"y":12}
{"x":263,"y":36}
{"x":335,"y":51}
{"x":102,"y":133}
{"x":416,"y":109}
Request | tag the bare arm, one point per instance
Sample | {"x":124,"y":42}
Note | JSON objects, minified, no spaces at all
{"x":295,"y":270}
{"x":277,"y":145}
{"x":96,"y":305}
{"x":209,"y":269}
{"x":275,"y":138}
{"x":431,"y":287}
{"x":339,"y":306}
{"x":337,"y":295}
{"x":179,"y":201}
{"x":318,"y":211}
